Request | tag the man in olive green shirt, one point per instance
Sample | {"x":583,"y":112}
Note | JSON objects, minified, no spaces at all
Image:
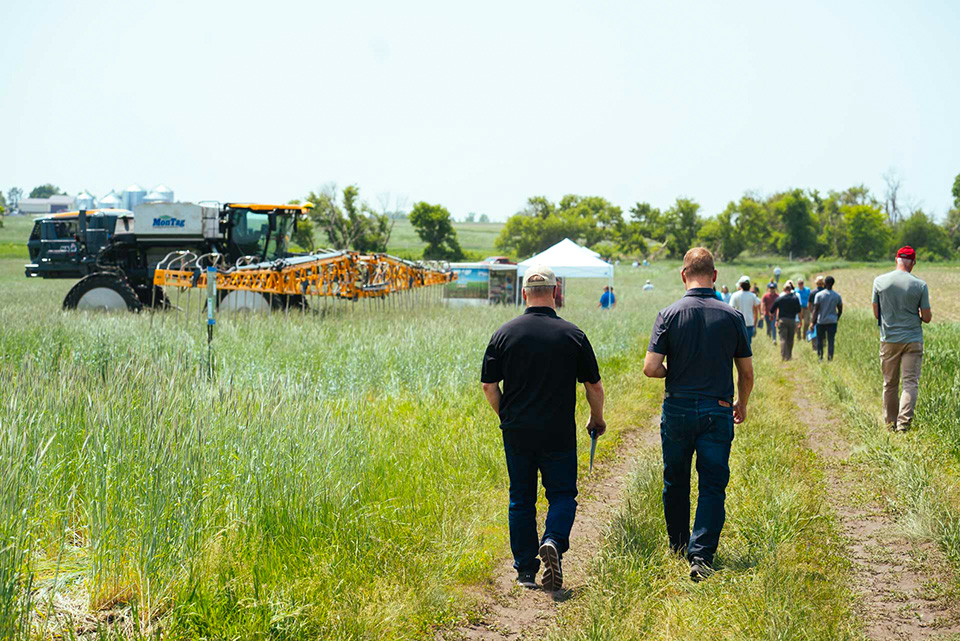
{"x":901,"y":304}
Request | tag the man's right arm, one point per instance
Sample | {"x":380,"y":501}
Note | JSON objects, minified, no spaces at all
{"x":744,"y":388}
{"x":653,"y":365}
{"x":596,"y":424}
{"x":493,"y":394}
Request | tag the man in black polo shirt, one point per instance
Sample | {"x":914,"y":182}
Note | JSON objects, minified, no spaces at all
{"x":540,"y":358}
{"x":701,"y":339}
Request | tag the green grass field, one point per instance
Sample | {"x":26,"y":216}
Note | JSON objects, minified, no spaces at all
{"x":342,"y":477}
{"x":475,"y":238}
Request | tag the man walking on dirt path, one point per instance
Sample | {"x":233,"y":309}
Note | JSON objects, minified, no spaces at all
{"x":747,"y":303}
{"x":827,"y":310}
{"x":787,"y":308}
{"x":770,"y":318}
{"x":540,"y":358}
{"x":806,"y":308}
{"x":813,"y":296}
{"x":901,"y":304}
{"x":701,"y":338}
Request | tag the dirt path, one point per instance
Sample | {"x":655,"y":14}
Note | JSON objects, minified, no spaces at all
{"x":902,"y":583}
{"x":512,"y":613}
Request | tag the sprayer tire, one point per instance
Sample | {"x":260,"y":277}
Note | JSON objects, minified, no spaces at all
{"x":103,"y":291}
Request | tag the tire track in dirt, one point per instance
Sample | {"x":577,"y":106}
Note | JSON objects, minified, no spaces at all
{"x":512,"y":613}
{"x":902,"y":583}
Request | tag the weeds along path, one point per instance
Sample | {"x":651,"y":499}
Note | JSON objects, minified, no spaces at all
{"x":509,"y":612}
{"x":902,"y":582}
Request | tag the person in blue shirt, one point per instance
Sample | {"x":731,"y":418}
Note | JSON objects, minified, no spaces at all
{"x":607,"y":299}
{"x":806,"y":307}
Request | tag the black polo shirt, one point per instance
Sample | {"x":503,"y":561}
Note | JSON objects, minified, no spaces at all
{"x":700,"y":337}
{"x":788,"y":305}
{"x":540,"y":358}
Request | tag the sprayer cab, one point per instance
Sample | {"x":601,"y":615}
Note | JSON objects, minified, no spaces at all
{"x":258,"y":230}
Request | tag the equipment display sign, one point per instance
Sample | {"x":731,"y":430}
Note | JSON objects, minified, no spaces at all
{"x":472,"y":282}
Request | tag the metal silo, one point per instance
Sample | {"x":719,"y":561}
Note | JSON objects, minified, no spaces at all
{"x":133,"y":196}
{"x":111,"y":201}
{"x":86,"y":200}
{"x":165,"y":193}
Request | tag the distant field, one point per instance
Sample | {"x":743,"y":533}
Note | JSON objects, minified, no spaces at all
{"x":473,"y":237}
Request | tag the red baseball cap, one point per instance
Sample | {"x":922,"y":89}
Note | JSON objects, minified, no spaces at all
{"x":907,"y":252}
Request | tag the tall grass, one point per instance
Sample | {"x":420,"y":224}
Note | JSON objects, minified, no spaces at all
{"x":337,"y":476}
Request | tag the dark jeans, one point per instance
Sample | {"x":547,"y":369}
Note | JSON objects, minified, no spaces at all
{"x":705,"y":427}
{"x":750,"y":331}
{"x":558,"y":471}
{"x":826,"y":333}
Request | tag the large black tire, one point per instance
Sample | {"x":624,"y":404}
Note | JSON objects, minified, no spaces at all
{"x":104,"y":291}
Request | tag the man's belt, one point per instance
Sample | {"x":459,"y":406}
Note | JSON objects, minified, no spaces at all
{"x":697,"y":397}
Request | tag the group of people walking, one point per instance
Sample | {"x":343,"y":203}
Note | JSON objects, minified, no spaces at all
{"x":695,"y":345}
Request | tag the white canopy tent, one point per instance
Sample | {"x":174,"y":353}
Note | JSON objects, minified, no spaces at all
{"x":569,"y":260}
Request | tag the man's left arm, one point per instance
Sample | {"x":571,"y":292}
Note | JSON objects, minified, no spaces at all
{"x":925,"y":314}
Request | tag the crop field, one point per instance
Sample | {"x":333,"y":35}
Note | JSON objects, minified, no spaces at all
{"x":341,"y":477}
{"x":473,"y":237}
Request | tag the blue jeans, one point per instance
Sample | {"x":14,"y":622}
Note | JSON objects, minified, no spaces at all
{"x":705,"y":427}
{"x":558,"y":471}
{"x":750,"y":331}
{"x":771,"y":324}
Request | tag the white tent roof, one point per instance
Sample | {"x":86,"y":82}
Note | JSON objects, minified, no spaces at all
{"x":569,"y":260}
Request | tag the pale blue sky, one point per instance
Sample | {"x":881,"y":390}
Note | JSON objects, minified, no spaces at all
{"x":478,"y":106}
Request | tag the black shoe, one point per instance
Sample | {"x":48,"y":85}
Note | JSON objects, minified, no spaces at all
{"x":552,"y":573}
{"x":527,"y":579}
{"x":700,"y":569}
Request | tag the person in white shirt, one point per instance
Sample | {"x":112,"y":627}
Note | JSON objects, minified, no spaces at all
{"x":747,"y":303}
{"x":648,"y":286}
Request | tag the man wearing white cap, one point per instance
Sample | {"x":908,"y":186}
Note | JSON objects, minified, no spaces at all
{"x":540,"y":358}
{"x":748,"y":304}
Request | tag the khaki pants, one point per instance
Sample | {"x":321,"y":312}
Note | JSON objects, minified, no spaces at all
{"x":898,"y":359}
{"x":788,"y":331}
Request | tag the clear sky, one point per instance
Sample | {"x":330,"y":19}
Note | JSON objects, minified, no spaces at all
{"x":479,"y":105}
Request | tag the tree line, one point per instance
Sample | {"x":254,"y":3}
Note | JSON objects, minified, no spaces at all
{"x":852,"y":224}
{"x":347,"y":222}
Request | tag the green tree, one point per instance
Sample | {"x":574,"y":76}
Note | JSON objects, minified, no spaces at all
{"x":956,"y":192}
{"x":924,"y":235}
{"x":585,"y":219}
{"x":434,"y":226}
{"x":720,"y":235}
{"x":868,"y":235}
{"x":45,"y":191}
{"x":470,"y":218}
{"x":681,"y":226}
{"x":646,"y":222}
{"x":13,"y":197}
{"x":799,"y":230}
{"x":597,"y":217}
{"x":349,"y":224}
{"x":952,"y":226}
{"x":527,"y":232}
{"x":483,"y":218}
